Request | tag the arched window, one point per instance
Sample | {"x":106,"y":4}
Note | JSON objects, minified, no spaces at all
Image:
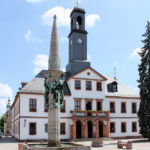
{"x":79,"y":22}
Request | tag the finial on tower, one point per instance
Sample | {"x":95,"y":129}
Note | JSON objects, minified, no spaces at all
{"x":77,"y":3}
{"x":115,"y":73}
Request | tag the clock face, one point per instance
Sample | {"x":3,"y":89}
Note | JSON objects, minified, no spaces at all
{"x":79,"y":40}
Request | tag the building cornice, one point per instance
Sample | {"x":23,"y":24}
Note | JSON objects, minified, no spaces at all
{"x":123,"y":97}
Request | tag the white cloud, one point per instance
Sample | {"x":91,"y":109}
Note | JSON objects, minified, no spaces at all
{"x":28,"y":35}
{"x":29,"y":38}
{"x":63,"y":17}
{"x":5,"y":93}
{"x":134,"y":54}
{"x":91,"y":20}
{"x":62,"y":14}
{"x":40,"y":62}
{"x":64,"y":39}
{"x":34,"y":1}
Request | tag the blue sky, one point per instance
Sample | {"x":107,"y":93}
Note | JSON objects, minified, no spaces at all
{"x":114,"y":37}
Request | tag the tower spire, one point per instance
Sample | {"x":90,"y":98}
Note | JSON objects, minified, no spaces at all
{"x":54,"y":60}
{"x":115,"y":73}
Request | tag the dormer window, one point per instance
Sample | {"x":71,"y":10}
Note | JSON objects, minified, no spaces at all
{"x":112,"y":87}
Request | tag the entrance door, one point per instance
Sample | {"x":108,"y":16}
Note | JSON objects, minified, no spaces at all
{"x":78,"y":129}
{"x":90,"y":129}
{"x":100,"y":129}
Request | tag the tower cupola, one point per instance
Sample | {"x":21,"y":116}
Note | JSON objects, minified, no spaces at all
{"x":77,"y":42}
{"x":77,"y":19}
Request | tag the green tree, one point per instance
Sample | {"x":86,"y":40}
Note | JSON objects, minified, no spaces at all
{"x":144,"y":85}
{"x":2,"y":122}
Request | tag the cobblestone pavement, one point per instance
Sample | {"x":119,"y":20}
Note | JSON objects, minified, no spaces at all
{"x":138,"y":144}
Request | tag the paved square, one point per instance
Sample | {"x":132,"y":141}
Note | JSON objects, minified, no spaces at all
{"x":108,"y":145}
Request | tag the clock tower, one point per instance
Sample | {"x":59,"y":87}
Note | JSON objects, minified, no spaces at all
{"x":77,"y":42}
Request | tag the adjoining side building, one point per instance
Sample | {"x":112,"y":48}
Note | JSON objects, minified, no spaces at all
{"x":95,"y":105}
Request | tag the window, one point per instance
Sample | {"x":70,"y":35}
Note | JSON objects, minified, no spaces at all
{"x":134,"y":127}
{"x":32,"y":105}
{"x":77,"y":105}
{"x":134,"y":108}
{"x":88,"y":85}
{"x":99,"y":106}
{"x":123,"y":107}
{"x":99,"y":86}
{"x":88,"y":105}
{"x":46,"y":127}
{"x":112,"y":127}
{"x":64,"y":106}
{"x":88,"y":73}
{"x":62,"y":128}
{"x":77,"y":84}
{"x":123,"y":127}
{"x":32,"y":128}
{"x":112,"y":107}
{"x":114,"y":88}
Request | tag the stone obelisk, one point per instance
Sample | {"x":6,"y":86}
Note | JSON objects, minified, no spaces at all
{"x":54,"y":60}
{"x":53,"y":73}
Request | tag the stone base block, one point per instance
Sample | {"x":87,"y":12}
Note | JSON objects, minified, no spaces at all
{"x":66,"y":146}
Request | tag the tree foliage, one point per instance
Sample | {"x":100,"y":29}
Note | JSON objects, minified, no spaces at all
{"x":2,"y":122}
{"x":144,"y":85}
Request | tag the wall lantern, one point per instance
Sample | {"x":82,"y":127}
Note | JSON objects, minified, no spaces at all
{"x":25,"y":121}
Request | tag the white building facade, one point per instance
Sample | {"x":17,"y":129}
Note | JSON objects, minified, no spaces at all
{"x":90,"y":110}
{"x":94,"y":106}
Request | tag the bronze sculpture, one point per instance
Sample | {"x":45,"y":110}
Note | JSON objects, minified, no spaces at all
{"x":55,"y":88}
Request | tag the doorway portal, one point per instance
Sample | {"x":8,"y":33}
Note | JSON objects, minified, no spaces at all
{"x":78,"y":129}
{"x":90,"y":129}
{"x":100,"y":129}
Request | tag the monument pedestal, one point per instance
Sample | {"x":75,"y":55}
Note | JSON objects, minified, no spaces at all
{"x":53,"y":124}
{"x":66,"y":146}
{"x":53,"y":111}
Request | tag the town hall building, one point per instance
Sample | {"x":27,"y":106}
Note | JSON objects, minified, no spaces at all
{"x":94,"y":105}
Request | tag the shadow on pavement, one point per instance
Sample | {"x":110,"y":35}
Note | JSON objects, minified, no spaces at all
{"x":7,"y":139}
{"x":141,"y":141}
